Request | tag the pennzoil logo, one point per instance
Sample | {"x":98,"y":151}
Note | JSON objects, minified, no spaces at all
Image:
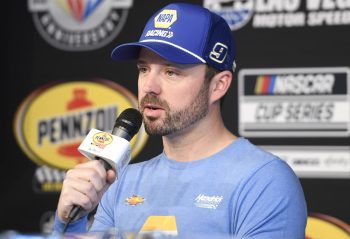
{"x":102,"y":139}
{"x":134,"y":200}
{"x":52,"y":121}
{"x":165,"y":18}
{"x":79,"y":25}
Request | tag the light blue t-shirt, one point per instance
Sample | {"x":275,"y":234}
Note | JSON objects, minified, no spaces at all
{"x":241,"y":191}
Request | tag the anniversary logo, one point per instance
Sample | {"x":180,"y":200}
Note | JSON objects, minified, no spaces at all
{"x":79,"y":25}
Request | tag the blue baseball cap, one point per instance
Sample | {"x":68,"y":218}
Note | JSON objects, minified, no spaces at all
{"x":185,"y":34}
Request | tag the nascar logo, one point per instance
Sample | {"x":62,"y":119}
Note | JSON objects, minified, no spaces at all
{"x":298,"y":102}
{"x":294,"y":84}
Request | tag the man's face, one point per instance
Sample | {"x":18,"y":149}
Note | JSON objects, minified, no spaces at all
{"x":172,"y":97}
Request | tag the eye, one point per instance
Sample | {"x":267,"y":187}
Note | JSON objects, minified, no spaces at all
{"x":142,"y":69}
{"x":171,"y":73}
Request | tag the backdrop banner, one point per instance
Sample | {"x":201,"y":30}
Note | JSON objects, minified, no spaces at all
{"x":290,"y":95}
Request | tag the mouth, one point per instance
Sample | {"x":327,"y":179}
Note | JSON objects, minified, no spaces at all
{"x":152,"y":112}
{"x":152,"y":107}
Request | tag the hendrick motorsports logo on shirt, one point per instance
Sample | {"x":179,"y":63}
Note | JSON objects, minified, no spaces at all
{"x":295,"y":102}
{"x":210,"y":202}
{"x":79,"y":25}
{"x":281,"y":14}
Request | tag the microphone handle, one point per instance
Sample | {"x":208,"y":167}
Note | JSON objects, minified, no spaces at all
{"x":73,"y":213}
{"x":106,"y":165}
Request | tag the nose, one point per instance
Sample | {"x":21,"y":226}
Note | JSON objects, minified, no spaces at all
{"x":150,"y":83}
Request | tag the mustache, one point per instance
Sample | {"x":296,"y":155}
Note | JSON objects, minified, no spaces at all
{"x":154,"y":100}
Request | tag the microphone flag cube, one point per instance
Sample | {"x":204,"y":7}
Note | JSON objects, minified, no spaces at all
{"x":103,"y":145}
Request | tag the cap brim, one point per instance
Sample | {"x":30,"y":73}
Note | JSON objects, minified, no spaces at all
{"x":130,"y":51}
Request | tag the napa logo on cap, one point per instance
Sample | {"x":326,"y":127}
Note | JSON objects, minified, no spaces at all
{"x":165,"y":18}
{"x":52,"y":121}
{"x":79,"y":25}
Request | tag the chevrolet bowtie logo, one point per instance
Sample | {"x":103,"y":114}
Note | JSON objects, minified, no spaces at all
{"x":134,"y":200}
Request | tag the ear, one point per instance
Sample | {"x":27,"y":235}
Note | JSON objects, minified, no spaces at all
{"x":219,"y":85}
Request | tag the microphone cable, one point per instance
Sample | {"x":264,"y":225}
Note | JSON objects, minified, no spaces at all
{"x":73,"y":213}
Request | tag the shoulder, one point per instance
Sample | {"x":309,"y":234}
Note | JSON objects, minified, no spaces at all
{"x":263,"y":164}
{"x":246,"y":159}
{"x":269,"y":196}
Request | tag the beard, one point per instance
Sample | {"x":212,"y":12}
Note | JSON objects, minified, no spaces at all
{"x":178,"y":120}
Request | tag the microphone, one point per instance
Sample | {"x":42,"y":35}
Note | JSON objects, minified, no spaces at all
{"x":111,"y":149}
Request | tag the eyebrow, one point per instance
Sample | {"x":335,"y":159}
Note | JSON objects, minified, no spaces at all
{"x":167,"y":63}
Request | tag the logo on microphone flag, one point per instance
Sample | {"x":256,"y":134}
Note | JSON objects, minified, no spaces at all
{"x":102,"y":139}
{"x":52,"y":121}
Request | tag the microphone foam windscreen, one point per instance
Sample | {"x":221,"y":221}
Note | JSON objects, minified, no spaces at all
{"x":131,"y":120}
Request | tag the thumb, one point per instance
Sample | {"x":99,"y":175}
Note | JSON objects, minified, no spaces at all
{"x":111,"y":176}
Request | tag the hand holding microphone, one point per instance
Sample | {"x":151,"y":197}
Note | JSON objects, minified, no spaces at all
{"x":84,"y":185}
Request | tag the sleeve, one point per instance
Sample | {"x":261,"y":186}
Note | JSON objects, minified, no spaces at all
{"x":104,"y":217}
{"x":270,"y":204}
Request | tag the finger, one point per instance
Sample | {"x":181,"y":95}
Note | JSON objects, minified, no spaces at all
{"x":95,"y":164}
{"x":88,"y":175}
{"x":70,"y":197}
{"x":79,"y":192}
{"x":111,"y":176}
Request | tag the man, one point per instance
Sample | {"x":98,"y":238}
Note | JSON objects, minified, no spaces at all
{"x":207,"y":182}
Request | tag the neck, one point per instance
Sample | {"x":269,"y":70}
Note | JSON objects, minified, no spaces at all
{"x":203,"y":139}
